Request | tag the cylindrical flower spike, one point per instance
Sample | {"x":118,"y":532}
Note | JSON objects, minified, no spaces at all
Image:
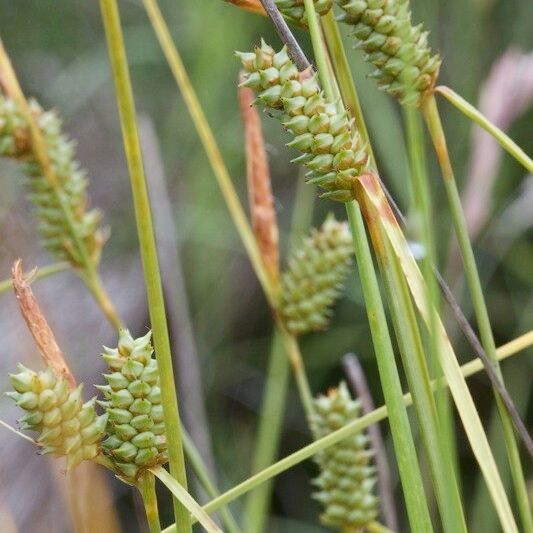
{"x":294,"y":10}
{"x":405,"y":66}
{"x":65,"y":424}
{"x":136,"y":429}
{"x":332,"y":149}
{"x":347,"y":478}
{"x":315,"y":277}
{"x":55,"y":230}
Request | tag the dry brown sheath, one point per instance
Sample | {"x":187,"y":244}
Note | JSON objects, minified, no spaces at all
{"x":38,"y":326}
{"x":262,"y":211}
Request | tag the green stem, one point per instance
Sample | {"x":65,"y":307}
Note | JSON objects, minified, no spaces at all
{"x":375,"y":416}
{"x":390,"y":380}
{"x":473,"y":114}
{"x":432,"y":118}
{"x":277,"y":382}
{"x":268,"y":434}
{"x":410,"y":475}
{"x":211,"y":148}
{"x":319,"y":51}
{"x":156,"y":304}
{"x":199,"y":468}
{"x":292,"y":350}
{"x":445,"y":452}
{"x":40,"y":273}
{"x":146,"y":487}
{"x":414,"y":364}
{"x":93,"y":281}
{"x":344,"y":77}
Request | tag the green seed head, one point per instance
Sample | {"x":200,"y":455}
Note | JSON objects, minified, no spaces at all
{"x":294,"y":10}
{"x":404,"y":64}
{"x":65,"y":424}
{"x":347,"y":478}
{"x":326,"y":137}
{"x":133,"y":402}
{"x":315,"y":277}
{"x":56,"y":232}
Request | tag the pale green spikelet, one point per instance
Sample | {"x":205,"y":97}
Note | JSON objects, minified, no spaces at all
{"x":406,"y":68}
{"x":65,"y":424}
{"x":57,"y":234}
{"x":332,"y":149}
{"x":315,"y":276}
{"x":294,"y":10}
{"x":136,"y":429}
{"x":347,"y":477}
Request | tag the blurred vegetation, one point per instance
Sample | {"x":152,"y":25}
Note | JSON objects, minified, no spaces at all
{"x":59,"y":53}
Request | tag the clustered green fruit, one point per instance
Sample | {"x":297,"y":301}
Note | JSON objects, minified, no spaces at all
{"x":294,"y":10}
{"x":315,"y":276}
{"x":332,"y":150}
{"x":383,"y":28}
{"x":136,"y":429}
{"x":347,"y":478}
{"x":58,"y":234}
{"x":66,"y":426}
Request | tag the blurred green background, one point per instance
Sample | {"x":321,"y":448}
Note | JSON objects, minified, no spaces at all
{"x":59,"y":53}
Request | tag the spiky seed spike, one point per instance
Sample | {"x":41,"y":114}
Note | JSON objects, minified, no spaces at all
{"x":315,"y":276}
{"x":405,"y":65}
{"x":135,"y":409}
{"x":56,"y":232}
{"x":295,"y":97}
{"x":346,"y":480}
{"x":294,"y":10}
{"x":66,"y":427}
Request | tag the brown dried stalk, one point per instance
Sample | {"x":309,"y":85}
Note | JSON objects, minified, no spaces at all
{"x":260,"y":198}
{"x":38,"y":326}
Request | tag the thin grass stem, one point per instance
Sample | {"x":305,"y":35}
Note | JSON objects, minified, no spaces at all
{"x":268,"y":434}
{"x":425,"y":229}
{"x":210,"y":146}
{"x":476,"y":116}
{"x":201,"y":472}
{"x":146,"y":487}
{"x":414,"y":363}
{"x":154,"y":291}
{"x":507,"y":350}
{"x":413,"y":488}
{"x":401,"y":432}
{"x":431,"y":115}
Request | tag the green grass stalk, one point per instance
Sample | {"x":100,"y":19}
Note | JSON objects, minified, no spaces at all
{"x":210,"y":146}
{"x":146,"y":487}
{"x":409,"y":469}
{"x":199,"y":468}
{"x":425,"y":231}
{"x":414,"y":363}
{"x":156,"y":305}
{"x":401,"y":432}
{"x":268,"y":434}
{"x":377,"y":415}
{"x":277,"y":382}
{"x":473,"y":114}
{"x":432,"y":118}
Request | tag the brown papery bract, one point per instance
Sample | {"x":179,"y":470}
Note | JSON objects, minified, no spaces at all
{"x":249,"y":5}
{"x":38,"y":325}
{"x":260,"y":198}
